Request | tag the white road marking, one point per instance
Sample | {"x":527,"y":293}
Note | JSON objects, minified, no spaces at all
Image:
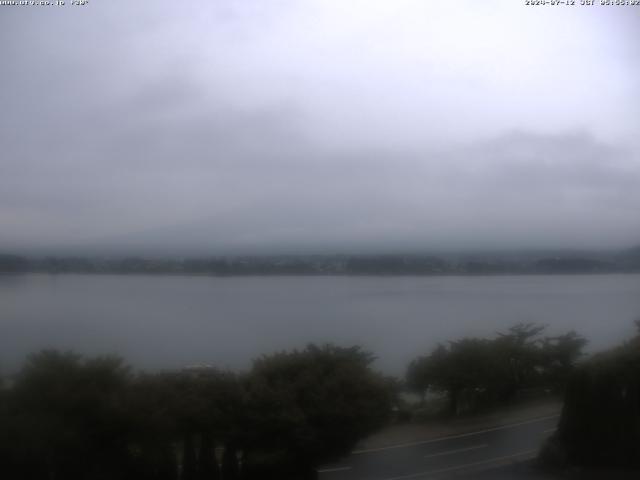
{"x":459,"y":450}
{"x":462,"y":467}
{"x":335,"y":469}
{"x":452,"y":437}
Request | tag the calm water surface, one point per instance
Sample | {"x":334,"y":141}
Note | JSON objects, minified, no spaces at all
{"x":172,"y":321}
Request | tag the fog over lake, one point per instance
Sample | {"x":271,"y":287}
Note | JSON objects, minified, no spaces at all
{"x":173,"y":321}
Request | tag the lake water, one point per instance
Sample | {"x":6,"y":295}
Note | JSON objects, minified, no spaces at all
{"x":172,"y":321}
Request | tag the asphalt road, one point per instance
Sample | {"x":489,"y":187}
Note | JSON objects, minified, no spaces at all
{"x":459,"y":456}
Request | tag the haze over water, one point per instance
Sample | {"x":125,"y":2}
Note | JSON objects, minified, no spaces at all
{"x":173,"y":321}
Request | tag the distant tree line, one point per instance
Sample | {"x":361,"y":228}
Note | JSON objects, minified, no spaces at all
{"x":481,"y":372}
{"x":628,"y":261}
{"x":66,"y":417}
{"x":14,"y":264}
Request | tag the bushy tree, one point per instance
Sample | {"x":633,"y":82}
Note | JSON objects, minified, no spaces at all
{"x":310,"y":406}
{"x":600,"y":422}
{"x":180,"y":417}
{"x":474,"y":371}
{"x":559,"y":357}
{"x":67,"y":418}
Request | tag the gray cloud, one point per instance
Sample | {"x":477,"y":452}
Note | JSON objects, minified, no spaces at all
{"x":317,"y":126}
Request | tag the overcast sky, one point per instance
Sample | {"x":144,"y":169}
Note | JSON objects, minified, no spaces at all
{"x":328,"y":125}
